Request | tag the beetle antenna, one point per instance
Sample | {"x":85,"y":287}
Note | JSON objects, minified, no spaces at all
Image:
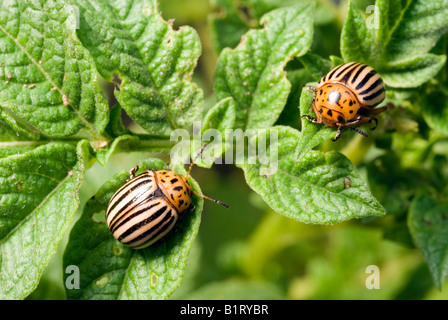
{"x":194,"y":159}
{"x":211,"y":199}
{"x":359,"y":131}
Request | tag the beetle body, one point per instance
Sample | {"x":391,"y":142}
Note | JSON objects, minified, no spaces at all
{"x":147,"y":207}
{"x":347,"y":97}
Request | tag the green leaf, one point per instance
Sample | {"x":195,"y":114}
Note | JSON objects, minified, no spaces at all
{"x":397,"y":39}
{"x":12,"y":129}
{"x":10,"y":148}
{"x":253,"y":72}
{"x":336,"y":60}
{"x":322,"y":13}
{"x":47,"y":77}
{"x":38,"y":197}
{"x":227,"y":25}
{"x":290,"y":115}
{"x":115,"y":127}
{"x":234,"y":18}
{"x":110,"y":270}
{"x":320,"y":188}
{"x":358,"y":42}
{"x":434,"y":108}
{"x":219,"y":118}
{"x":411,"y":28}
{"x":130,"y":40}
{"x":413,"y":72}
{"x":395,"y":186}
{"x":120,"y":144}
{"x":316,"y":65}
{"x":428,"y":223}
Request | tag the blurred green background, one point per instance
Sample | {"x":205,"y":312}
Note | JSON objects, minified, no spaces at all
{"x":249,"y":251}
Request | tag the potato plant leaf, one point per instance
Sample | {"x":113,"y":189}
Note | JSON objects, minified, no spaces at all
{"x":320,"y":188}
{"x":213,"y":132}
{"x":253,"y":74}
{"x":38,"y":199}
{"x":47,"y":78}
{"x":428,"y":224}
{"x":435,"y":110}
{"x":150,"y":62}
{"x":396,"y":39}
{"x":235,"y":18}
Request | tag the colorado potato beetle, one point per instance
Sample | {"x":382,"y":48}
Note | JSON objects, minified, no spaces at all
{"x":347,"y":97}
{"x":148,"y":206}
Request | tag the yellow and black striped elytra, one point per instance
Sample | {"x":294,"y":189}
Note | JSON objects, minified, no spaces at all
{"x":148,"y":206}
{"x":347,"y":97}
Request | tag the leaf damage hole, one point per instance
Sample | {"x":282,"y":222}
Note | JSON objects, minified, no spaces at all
{"x":117,"y":81}
{"x":154,"y":280}
{"x":117,"y":250}
{"x":347,"y":182}
{"x":102,"y":281}
{"x":99,"y":217}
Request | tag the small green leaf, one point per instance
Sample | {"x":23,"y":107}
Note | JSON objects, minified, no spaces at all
{"x":413,"y":72}
{"x":122,"y":143}
{"x":234,"y":18}
{"x":253,"y":72}
{"x":321,"y":188}
{"x":322,"y":12}
{"x":47,"y":77}
{"x":336,"y":60}
{"x":290,"y":115}
{"x":154,"y":63}
{"x":316,"y":65}
{"x":428,"y":223}
{"x":358,"y":42}
{"x":395,"y":186}
{"x":434,"y":108}
{"x":115,"y":126}
{"x":38,"y":197}
{"x":219,"y":118}
{"x":411,"y":28}
{"x":110,"y":270}
{"x":397,"y":39}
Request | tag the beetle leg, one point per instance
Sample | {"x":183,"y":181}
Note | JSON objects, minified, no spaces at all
{"x":310,"y":118}
{"x":132,"y":172}
{"x":376,"y":123}
{"x":310,"y":88}
{"x":350,"y":123}
{"x":338,"y":134}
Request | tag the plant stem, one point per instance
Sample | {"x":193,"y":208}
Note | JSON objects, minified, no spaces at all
{"x":152,"y":143}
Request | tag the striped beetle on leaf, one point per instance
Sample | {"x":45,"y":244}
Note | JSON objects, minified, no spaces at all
{"x":347,"y":97}
{"x":148,"y":206}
